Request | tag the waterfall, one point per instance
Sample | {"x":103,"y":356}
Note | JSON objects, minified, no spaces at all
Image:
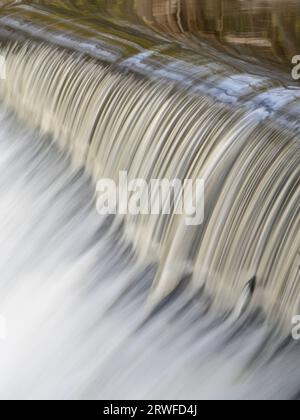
{"x":74,"y":295}
{"x":122,"y":306}
{"x":110,"y":122}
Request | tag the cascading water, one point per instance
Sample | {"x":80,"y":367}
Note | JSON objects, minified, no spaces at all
{"x":99,"y":300}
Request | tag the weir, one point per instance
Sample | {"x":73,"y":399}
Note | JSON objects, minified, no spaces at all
{"x":138,"y":99}
{"x":110,"y":122}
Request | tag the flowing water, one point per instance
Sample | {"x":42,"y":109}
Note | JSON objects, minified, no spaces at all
{"x":147,"y":307}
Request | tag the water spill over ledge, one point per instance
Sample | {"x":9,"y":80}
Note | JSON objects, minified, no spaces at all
{"x":111,"y":121}
{"x":158,"y":110}
{"x":75,"y":297}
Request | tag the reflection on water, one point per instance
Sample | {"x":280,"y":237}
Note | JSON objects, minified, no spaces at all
{"x":268,"y":26}
{"x":259,"y":30}
{"x":257,"y":27}
{"x":264,"y":29}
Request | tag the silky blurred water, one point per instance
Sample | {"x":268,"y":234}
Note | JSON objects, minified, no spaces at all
{"x":75,"y":301}
{"x":74,"y":292}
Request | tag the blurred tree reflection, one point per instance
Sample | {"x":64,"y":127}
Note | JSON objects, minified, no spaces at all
{"x":268,"y":27}
{"x":261,"y":29}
